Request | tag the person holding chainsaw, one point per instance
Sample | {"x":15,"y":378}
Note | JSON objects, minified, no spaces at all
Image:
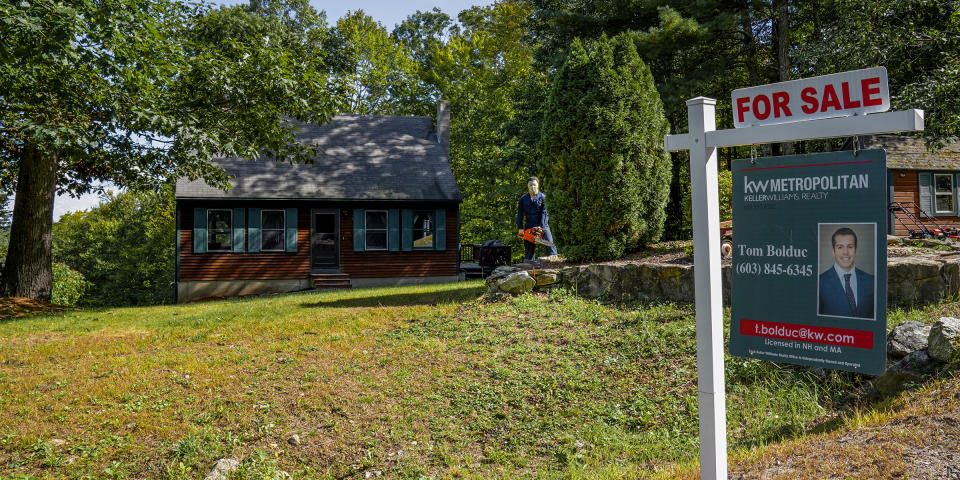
{"x":532,"y":214}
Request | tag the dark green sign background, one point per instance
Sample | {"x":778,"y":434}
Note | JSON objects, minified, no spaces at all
{"x":789,"y":300}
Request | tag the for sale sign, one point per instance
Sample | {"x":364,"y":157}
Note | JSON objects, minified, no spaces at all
{"x":810,"y":260}
{"x":856,"y":92}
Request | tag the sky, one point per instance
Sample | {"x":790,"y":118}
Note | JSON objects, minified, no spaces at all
{"x":392,"y":12}
{"x":387,"y":12}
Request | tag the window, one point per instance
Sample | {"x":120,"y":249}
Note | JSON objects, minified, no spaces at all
{"x":376,"y":224}
{"x":219,"y":231}
{"x":423,"y":229}
{"x":943,"y":189}
{"x":271,"y":230}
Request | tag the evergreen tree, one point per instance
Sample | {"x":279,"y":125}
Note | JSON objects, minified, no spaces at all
{"x":606,"y":173}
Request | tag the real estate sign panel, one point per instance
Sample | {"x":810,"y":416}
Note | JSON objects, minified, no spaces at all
{"x":810,"y":260}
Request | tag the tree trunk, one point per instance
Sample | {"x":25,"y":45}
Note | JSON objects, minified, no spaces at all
{"x":28,"y":270}
{"x":782,"y":15}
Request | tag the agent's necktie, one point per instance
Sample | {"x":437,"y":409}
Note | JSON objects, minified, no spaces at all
{"x":850,"y":298}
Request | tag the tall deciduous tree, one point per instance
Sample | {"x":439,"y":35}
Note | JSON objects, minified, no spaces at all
{"x":374,"y":73}
{"x":134,"y":92}
{"x":607,"y":173}
{"x":484,"y":69}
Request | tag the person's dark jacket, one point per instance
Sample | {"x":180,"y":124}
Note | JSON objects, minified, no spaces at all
{"x":534,"y":209}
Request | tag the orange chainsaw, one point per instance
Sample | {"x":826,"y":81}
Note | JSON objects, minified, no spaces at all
{"x":535,"y":235}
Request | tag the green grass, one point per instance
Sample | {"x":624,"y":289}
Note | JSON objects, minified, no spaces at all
{"x":410,"y":382}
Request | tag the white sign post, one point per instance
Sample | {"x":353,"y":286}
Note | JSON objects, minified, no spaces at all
{"x":702,"y":141}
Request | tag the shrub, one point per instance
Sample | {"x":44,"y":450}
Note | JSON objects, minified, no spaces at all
{"x":68,"y":285}
{"x":606,"y":172}
{"x":126,"y":247}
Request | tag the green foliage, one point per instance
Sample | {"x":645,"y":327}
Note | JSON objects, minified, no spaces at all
{"x":69,"y":285}
{"x":606,"y":171}
{"x":125,"y":247}
{"x":917,"y":41}
{"x":725,"y":181}
{"x":483,"y":68}
{"x":134,"y":92}
{"x":5,"y":212}
{"x":374,"y":73}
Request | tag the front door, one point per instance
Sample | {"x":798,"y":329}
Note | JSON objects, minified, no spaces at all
{"x":325,"y":239}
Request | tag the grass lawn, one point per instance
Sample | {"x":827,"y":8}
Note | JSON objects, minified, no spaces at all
{"x":405,"y":382}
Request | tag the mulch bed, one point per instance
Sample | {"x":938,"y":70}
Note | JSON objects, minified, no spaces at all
{"x":16,"y":307}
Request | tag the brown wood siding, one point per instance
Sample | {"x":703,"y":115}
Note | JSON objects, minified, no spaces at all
{"x":906,"y":188}
{"x":243,"y":265}
{"x":418,"y":263}
{"x":284,"y":265}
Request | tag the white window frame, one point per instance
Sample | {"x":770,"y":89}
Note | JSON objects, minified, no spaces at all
{"x":282,"y":230}
{"x":210,"y":231}
{"x":367,"y":230}
{"x":433,"y":230}
{"x":937,"y":193}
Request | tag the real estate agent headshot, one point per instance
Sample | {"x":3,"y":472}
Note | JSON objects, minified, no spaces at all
{"x":845,"y":289}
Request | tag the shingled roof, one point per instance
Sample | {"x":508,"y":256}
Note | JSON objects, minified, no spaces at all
{"x":366,"y":157}
{"x":911,"y":153}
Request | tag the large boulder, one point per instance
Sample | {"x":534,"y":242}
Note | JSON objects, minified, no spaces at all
{"x":544,"y":277}
{"x":499,"y":273}
{"x":517,"y":283}
{"x":950,"y":272}
{"x":629,"y":282}
{"x":906,"y":338}
{"x":914,"y":280}
{"x":910,"y":369}
{"x":944,"y":340}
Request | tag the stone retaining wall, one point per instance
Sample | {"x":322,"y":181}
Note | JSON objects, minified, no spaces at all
{"x":911,"y":281}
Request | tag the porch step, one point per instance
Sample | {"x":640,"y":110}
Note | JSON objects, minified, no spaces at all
{"x":330,"y":280}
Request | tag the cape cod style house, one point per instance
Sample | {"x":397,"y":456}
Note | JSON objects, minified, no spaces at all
{"x":379,"y":207}
{"x":923,"y":184}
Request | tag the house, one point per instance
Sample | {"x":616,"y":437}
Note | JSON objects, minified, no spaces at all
{"x":380,"y":206}
{"x":925,"y":183}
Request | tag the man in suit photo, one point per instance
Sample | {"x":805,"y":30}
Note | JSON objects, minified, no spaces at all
{"x":845,"y":290}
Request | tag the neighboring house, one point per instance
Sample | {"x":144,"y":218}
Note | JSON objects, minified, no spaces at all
{"x":926,"y":182}
{"x":379,"y":207}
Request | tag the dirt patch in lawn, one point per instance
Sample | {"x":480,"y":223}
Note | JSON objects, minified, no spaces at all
{"x":918,"y":437}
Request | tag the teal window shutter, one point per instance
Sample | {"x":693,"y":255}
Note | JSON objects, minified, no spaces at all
{"x":440,"y":229}
{"x":956,"y":194}
{"x":253,"y":229}
{"x":393,"y":230}
{"x":359,"y":229}
{"x":290,"y":233}
{"x":926,"y":194}
{"x":238,"y":230}
{"x":406,"y":227}
{"x":199,"y":230}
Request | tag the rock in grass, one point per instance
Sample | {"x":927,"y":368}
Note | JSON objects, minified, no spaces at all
{"x":906,"y":338}
{"x":294,"y":439}
{"x":911,"y":369}
{"x":221,"y":471}
{"x":517,"y":283}
{"x":944,"y":340}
